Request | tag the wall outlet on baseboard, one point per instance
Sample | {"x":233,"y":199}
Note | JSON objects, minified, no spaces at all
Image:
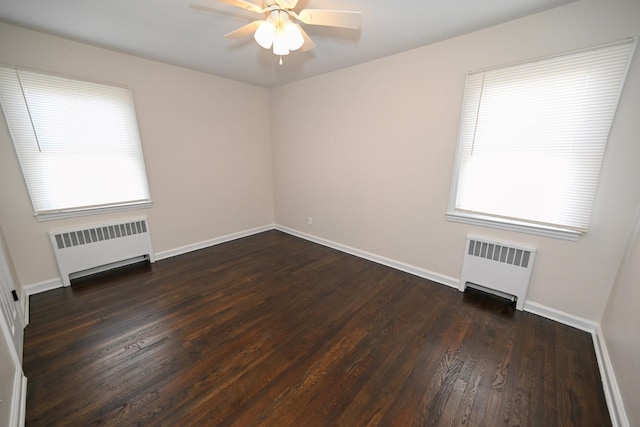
{"x":310,"y":220}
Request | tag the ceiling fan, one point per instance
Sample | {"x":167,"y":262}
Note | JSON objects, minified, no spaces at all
{"x":280,"y":29}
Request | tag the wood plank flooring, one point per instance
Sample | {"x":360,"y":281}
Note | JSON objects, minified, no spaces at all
{"x":272,"y":330}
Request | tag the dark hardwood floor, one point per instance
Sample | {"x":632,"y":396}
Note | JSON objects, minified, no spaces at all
{"x":273,"y":330}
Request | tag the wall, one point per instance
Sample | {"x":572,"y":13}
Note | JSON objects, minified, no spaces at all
{"x":209,"y":171}
{"x":370,"y":153}
{"x":620,"y":325}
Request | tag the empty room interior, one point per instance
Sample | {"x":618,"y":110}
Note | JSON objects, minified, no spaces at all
{"x":317,"y":245}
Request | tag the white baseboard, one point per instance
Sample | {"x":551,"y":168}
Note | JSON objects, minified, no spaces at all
{"x":44,"y":286}
{"x":36,"y":288}
{"x":560,"y":316}
{"x":609,"y":383}
{"x":21,"y":407}
{"x":212,"y":242}
{"x":398,"y":265}
{"x":25,"y":306}
{"x":17,"y":402}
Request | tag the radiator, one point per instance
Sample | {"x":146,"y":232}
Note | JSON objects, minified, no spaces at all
{"x":99,"y":247}
{"x":499,"y":267}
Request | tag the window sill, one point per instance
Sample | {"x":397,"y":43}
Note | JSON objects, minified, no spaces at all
{"x":50,"y":216}
{"x":510,"y":225}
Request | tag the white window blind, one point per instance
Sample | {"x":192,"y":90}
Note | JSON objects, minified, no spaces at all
{"x":77,"y":142}
{"x":533,"y":136}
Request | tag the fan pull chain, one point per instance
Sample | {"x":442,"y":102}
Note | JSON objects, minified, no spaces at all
{"x":280,"y":59}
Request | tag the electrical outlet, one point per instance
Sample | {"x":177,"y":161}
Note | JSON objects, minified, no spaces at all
{"x":310,"y":220}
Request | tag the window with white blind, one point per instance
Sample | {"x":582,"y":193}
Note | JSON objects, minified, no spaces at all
{"x":77,"y":142}
{"x":532,"y":140}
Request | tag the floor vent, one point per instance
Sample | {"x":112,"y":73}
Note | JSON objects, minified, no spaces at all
{"x":501,"y":267}
{"x":99,"y":247}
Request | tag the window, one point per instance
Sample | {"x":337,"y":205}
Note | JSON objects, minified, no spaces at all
{"x":77,"y":143}
{"x":532,"y":139}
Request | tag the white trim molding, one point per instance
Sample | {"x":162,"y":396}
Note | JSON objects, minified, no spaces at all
{"x":91,"y":211}
{"x":24,"y":298}
{"x":512,"y":225}
{"x":36,"y":288}
{"x":19,"y":399}
{"x":609,"y":383}
{"x":44,"y":286}
{"x":22,"y":416}
{"x":398,"y":265}
{"x":560,"y":316}
{"x":211,"y":242}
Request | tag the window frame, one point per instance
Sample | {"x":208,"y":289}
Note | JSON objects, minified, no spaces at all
{"x":76,"y":211}
{"x":495,"y":221}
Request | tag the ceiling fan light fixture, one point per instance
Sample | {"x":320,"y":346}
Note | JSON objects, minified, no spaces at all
{"x":281,"y":45}
{"x":293,"y":35}
{"x":280,"y":30}
{"x":280,"y":33}
{"x":265,"y":34}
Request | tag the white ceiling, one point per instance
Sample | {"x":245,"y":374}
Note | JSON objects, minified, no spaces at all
{"x":171,"y":32}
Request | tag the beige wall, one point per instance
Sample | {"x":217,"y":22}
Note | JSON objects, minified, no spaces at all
{"x":620,"y":324}
{"x":206,"y":142}
{"x":368,"y":153}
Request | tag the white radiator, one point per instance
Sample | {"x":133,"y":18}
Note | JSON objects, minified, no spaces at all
{"x":499,"y":267}
{"x":86,"y":250}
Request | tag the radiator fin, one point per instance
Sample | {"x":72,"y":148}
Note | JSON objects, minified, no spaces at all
{"x":506,"y":254}
{"x":98,"y":234}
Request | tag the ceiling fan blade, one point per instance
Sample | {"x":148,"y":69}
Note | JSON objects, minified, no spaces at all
{"x":308,"y":43}
{"x":252,"y":7}
{"x":243,"y":31}
{"x":330,"y":18}
{"x":287,"y":4}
